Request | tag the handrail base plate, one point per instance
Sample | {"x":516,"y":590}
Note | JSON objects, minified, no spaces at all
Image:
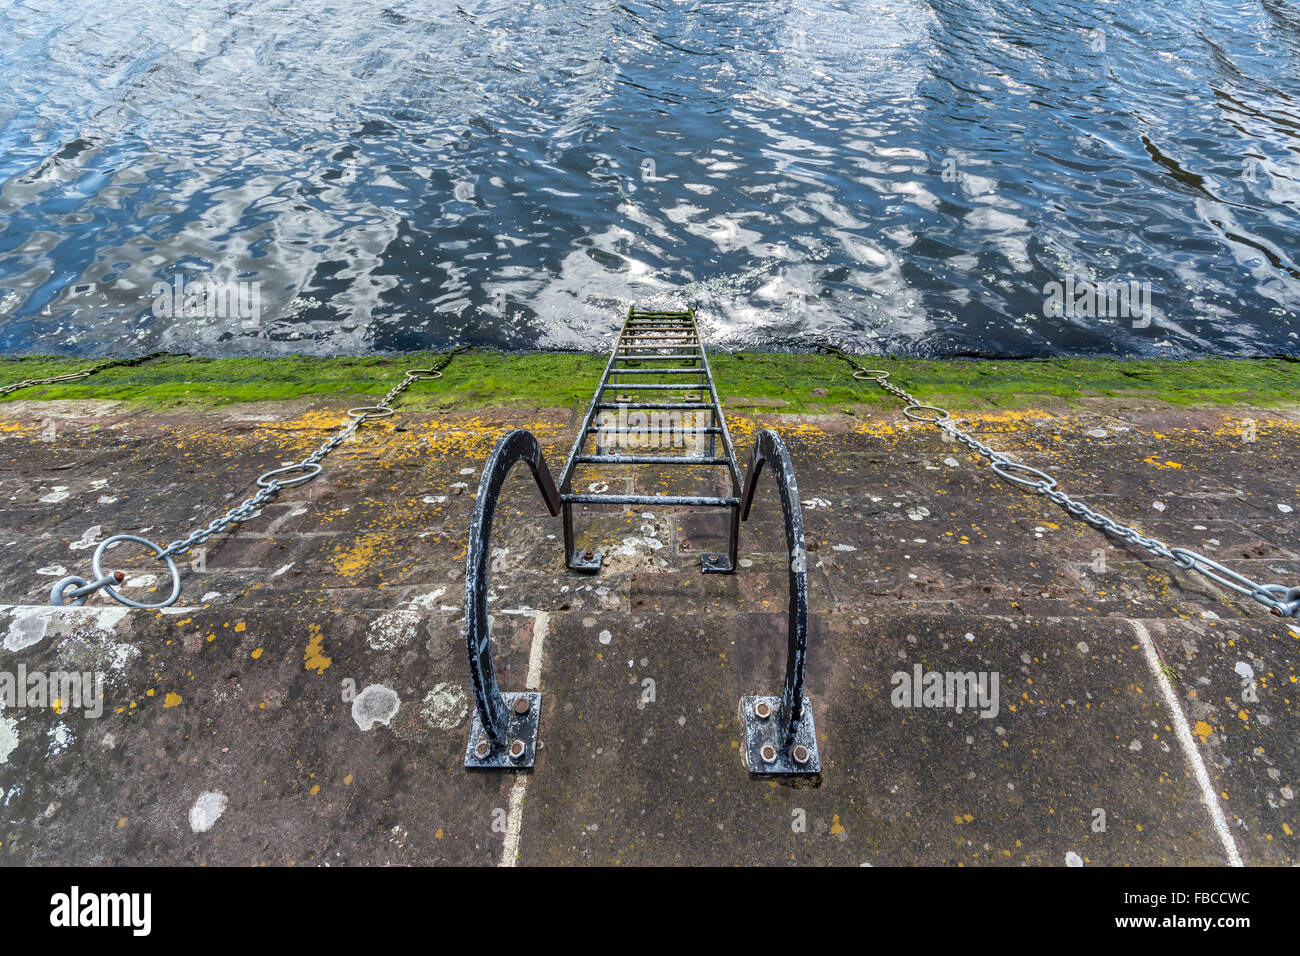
{"x":578,"y":561}
{"x":521,"y":727}
{"x":761,"y":733}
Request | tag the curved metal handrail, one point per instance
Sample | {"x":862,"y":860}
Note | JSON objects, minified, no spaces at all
{"x":793,"y":747}
{"x":498,"y":716}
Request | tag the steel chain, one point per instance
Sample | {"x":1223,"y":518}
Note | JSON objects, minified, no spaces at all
{"x":78,"y":589}
{"x":86,"y":372}
{"x":1279,"y":599}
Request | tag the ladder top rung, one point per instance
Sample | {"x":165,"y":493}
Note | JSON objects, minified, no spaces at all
{"x":657,"y":386}
{"x":651,"y":460}
{"x":654,"y":500}
{"x":682,"y":405}
{"x":656,"y":430}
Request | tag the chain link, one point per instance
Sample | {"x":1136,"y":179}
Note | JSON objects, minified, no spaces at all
{"x":1279,"y":599}
{"x":86,"y":372}
{"x":269,"y":485}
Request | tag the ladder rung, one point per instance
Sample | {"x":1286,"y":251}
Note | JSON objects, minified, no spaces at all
{"x":606,"y":406}
{"x":684,"y":387}
{"x":649,"y":460}
{"x":655,"y":500}
{"x":657,"y":431}
{"x":658,"y":371}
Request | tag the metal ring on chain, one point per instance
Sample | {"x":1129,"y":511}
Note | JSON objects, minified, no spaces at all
{"x":1288,"y":600}
{"x":942,"y":413}
{"x":56,"y":595}
{"x":863,"y":374}
{"x":365,"y":413}
{"x":270,"y":483}
{"x":1008,"y":470}
{"x":96,"y":565}
{"x":310,"y":470}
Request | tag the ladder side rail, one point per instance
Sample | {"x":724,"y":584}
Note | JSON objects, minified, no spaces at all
{"x":571,"y":463}
{"x":733,"y":466}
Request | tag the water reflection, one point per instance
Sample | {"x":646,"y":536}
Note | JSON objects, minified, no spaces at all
{"x":894,"y":176}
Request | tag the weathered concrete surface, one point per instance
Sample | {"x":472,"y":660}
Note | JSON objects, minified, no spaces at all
{"x":918,"y":555}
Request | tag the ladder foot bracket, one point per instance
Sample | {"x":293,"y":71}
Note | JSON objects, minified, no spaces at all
{"x":521,"y":737}
{"x":716,"y":564}
{"x":766,"y":754}
{"x":588,"y":562}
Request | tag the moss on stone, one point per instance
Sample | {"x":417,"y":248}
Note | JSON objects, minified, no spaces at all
{"x":791,"y":382}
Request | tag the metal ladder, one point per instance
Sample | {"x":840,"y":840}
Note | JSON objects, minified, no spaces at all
{"x":647,"y":339}
{"x":779,"y":733}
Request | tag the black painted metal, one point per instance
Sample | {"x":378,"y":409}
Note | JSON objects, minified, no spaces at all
{"x":651,"y":337}
{"x":700,"y":501}
{"x":674,"y":430}
{"x":514,"y":446}
{"x":780,"y":736}
{"x":617,"y":459}
{"x":771,"y":451}
{"x":613,"y":407}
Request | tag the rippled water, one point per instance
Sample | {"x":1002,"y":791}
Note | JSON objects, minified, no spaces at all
{"x":893,"y":175}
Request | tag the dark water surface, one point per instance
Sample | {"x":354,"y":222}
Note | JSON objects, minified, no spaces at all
{"x":895,"y":175}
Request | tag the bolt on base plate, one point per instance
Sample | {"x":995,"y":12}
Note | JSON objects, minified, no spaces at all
{"x":716,"y":564}
{"x":521,"y":734}
{"x":762,"y":740}
{"x":578,"y":561}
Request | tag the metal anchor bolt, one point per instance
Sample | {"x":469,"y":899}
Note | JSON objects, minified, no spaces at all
{"x":799,"y":753}
{"x":762,"y":710}
{"x":589,"y":554}
{"x":522,"y":705}
{"x":768,"y":753}
{"x":517,"y":749}
{"x":482,"y":749}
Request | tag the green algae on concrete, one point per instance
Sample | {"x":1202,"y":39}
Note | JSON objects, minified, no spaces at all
{"x":791,"y":382}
